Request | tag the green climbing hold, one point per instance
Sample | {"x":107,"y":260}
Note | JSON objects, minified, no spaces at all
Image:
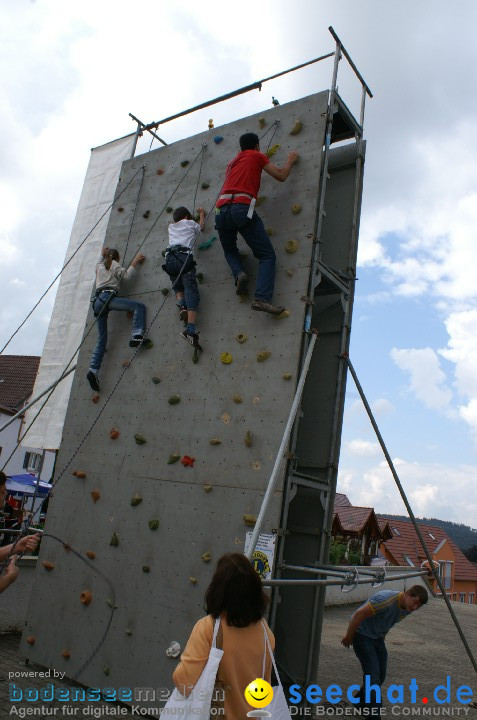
{"x":114,"y":540}
{"x":111,"y":604}
{"x":153,"y":524}
{"x":237,"y":399}
{"x":146,"y":569}
{"x":146,"y":214}
{"x":290,"y":273}
{"x":136,"y":500}
{"x":169,"y":209}
{"x":205,"y":185}
{"x":193,"y":580}
{"x":287,"y":376}
{"x":215,"y":441}
{"x":184,"y":163}
{"x":165,"y":291}
{"x":106,"y":670}
{"x":261,"y":122}
{"x":248,"y":439}
{"x":128,"y":631}
{"x":174,"y":399}
{"x":296,"y":128}
{"x":264,"y":355}
{"x":241,"y":338}
{"x":271,"y":151}
{"x":270,"y":231}
{"x":195,"y":356}
{"x":173,"y":458}
{"x":147,"y":344}
{"x":207,"y":243}
{"x":200,"y":277}
{"x":156,"y":380}
{"x":140,"y":439}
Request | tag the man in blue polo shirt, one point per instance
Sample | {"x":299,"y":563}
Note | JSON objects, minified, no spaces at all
{"x":366,"y":632}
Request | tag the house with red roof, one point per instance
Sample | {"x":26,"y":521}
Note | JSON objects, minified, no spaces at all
{"x":458,"y":574}
{"x":358,"y":528}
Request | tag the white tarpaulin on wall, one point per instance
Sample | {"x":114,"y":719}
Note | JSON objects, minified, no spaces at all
{"x":71,"y":306}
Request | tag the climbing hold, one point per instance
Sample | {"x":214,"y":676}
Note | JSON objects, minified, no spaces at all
{"x":136,"y":500}
{"x":250,"y":520}
{"x":48,"y":565}
{"x":165,"y":291}
{"x":296,"y":208}
{"x":146,"y":569}
{"x":248,"y":439}
{"x":66,"y":654}
{"x":86,"y":597}
{"x":206,"y":557}
{"x":241,"y":338}
{"x":95,"y":399}
{"x":174,"y":399}
{"x":114,"y":540}
{"x":174,"y":649}
{"x":184,"y":163}
{"x":261,"y":199}
{"x":291,"y":246}
{"x":188,"y":461}
{"x":261,"y":122}
{"x":207,"y":488}
{"x":111,"y":604}
{"x":140,"y":439}
{"x":114,"y":433}
{"x":237,"y":399}
{"x":95,"y":494}
{"x":296,"y":128}
{"x":287,"y":376}
{"x":275,"y":101}
{"x":173,"y":458}
{"x":226,"y":358}
{"x":90,"y":554}
{"x":193,"y":580}
{"x":207,"y":243}
{"x":169,"y":209}
{"x":146,"y":214}
{"x":196,"y":356}
{"x":126,"y":363}
{"x":218,"y":139}
{"x":153,"y":524}
{"x":106,"y":670}
{"x":160,"y":171}
{"x":256,"y":400}
{"x":130,"y":314}
{"x":211,"y":124}
{"x":156,"y":380}
{"x":31,"y":639}
{"x":200,"y":277}
{"x":147,"y":344}
{"x":284,"y":314}
{"x":79,"y":474}
{"x":226,"y":418}
{"x":205,"y":185}
{"x":290,"y":273}
{"x":270,"y":231}
{"x":215,"y":441}
{"x":120,"y":209}
{"x":256,"y":465}
{"x":271,"y":151}
{"x":264,"y":355}
{"x":66,"y":547}
{"x":128,"y":631}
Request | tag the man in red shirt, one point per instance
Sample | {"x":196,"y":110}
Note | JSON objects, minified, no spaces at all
{"x":235,"y":213}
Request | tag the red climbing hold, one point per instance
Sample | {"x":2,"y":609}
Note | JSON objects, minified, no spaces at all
{"x":188,"y":461}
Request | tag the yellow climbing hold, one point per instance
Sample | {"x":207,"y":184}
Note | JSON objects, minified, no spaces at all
{"x":284,"y":314}
{"x":250,"y":520}
{"x":207,"y":488}
{"x":296,"y":128}
{"x":291,"y":246}
{"x":136,"y":500}
{"x":261,"y":122}
{"x":271,"y":151}
{"x":241,"y":338}
{"x":193,"y":580}
{"x":206,"y":557}
{"x":270,"y":231}
{"x":215,"y":441}
{"x":237,"y":399}
{"x":287,"y":376}
{"x":248,"y":439}
{"x":264,"y":355}
{"x":226,"y":358}
{"x":290,"y":273}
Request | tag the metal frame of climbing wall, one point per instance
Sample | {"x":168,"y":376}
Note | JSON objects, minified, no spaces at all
{"x":131,"y":529}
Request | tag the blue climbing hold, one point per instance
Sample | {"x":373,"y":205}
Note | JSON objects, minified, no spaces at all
{"x":218,"y":139}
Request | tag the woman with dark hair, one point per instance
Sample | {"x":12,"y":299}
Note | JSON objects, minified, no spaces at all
{"x":235,"y":595}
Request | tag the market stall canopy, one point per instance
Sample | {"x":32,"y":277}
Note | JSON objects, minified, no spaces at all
{"x":25,"y":485}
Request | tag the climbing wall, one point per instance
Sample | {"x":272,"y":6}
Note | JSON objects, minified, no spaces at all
{"x":151,"y":522}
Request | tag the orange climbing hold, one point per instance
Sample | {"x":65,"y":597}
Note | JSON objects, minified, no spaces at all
{"x":86,"y":597}
{"x":79,"y":474}
{"x":114,"y":433}
{"x":188,"y":461}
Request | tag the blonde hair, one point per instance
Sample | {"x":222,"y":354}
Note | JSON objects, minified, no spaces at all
{"x":111,"y":255}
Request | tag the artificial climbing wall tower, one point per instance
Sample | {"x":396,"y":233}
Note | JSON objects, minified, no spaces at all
{"x":148,"y":523}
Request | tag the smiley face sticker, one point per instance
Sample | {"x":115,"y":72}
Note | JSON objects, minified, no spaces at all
{"x":259,"y":693}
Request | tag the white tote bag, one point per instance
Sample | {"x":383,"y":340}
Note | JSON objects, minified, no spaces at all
{"x":197,"y":705}
{"x":278,"y":708}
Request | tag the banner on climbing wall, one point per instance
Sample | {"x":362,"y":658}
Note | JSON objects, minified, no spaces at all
{"x":68,"y":318}
{"x":263,"y":555}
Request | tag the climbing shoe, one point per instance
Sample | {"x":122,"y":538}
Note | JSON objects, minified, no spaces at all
{"x":192,"y":338}
{"x":267,"y":307}
{"x":136,"y":340}
{"x":183,"y":313}
{"x":92,"y":378}
{"x":241,"y":284}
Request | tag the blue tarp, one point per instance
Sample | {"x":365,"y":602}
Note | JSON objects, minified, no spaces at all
{"x":25,"y":485}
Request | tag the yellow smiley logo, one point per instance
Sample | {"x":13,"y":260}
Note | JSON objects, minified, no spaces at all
{"x":259,"y":693}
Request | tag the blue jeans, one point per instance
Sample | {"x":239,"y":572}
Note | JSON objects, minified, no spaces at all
{"x":233,"y":218}
{"x":187,"y":282}
{"x":373,"y":656}
{"x":115,"y":303}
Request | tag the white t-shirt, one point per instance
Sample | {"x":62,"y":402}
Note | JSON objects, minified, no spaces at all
{"x":183,"y":233}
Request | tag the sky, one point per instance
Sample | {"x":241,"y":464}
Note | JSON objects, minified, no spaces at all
{"x":70,"y":73}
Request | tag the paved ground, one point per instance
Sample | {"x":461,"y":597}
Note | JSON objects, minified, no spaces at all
{"x":425,"y":646}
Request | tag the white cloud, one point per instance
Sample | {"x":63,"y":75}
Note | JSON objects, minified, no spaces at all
{"x":427,"y":379}
{"x":363,"y":447}
{"x":382,"y":406}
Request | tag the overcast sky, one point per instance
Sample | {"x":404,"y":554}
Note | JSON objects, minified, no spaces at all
{"x":70,"y":74}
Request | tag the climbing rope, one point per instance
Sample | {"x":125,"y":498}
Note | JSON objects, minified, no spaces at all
{"x":135,"y":210}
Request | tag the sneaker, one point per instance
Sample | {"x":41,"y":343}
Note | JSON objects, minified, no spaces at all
{"x":241,"y":284}
{"x":136,"y":340}
{"x":92,"y":378}
{"x":267,"y":307}
{"x":183,"y":313}
{"x":192,"y":338}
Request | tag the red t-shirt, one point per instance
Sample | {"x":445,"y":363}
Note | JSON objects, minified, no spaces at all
{"x":243,"y":174}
